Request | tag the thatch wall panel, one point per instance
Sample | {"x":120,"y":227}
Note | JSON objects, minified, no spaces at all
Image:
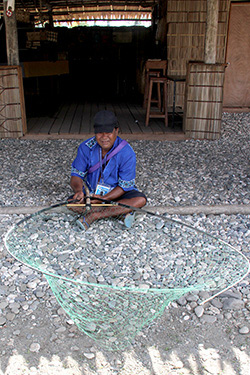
{"x":223,"y":15}
{"x":196,"y":17}
{"x":12,"y":111}
{"x":222,"y":29}
{"x":205,"y":93}
{"x":203,"y":102}
{"x":186,"y":6}
{"x":186,"y":35}
{"x":211,"y":111}
{"x":208,"y":79}
{"x":179,"y":17}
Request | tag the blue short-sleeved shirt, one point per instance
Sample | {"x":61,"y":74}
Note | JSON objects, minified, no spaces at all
{"x":119,"y":171}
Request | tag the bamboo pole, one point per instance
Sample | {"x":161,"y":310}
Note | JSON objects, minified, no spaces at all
{"x":211,"y":31}
{"x":223,"y":209}
{"x":11,"y":37}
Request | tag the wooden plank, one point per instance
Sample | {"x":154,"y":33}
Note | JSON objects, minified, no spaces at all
{"x":139,"y":115}
{"x":31,"y":123}
{"x":55,"y":129}
{"x":77,"y":119}
{"x":94,"y":110}
{"x":126,"y":114}
{"x":133,"y":123}
{"x":155,"y":126}
{"x":161,"y":127}
{"x":48,"y":123}
{"x":114,"y":108}
{"x":86,"y":118}
{"x":38,"y":125}
{"x":66,"y":124}
{"x":122,"y":119}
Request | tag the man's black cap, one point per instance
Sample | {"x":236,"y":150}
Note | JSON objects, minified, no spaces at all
{"x":104,"y":122}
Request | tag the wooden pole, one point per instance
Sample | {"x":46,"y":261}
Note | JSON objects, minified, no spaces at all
{"x":211,"y":31}
{"x":11,"y":37}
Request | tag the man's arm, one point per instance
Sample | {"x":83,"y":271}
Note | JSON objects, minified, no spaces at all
{"x":117,"y":192}
{"x":77,"y":185}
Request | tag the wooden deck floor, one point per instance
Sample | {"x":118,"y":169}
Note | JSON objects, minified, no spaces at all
{"x":74,"y":120}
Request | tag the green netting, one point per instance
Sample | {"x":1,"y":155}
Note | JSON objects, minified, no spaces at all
{"x":111,"y":280}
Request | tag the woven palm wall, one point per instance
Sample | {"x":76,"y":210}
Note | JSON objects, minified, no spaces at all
{"x":186,"y":21}
{"x":203,"y":100}
{"x":12,"y":108}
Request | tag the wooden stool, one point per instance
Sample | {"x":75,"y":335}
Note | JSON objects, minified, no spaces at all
{"x":154,"y":68}
{"x":163,"y":112}
{"x":157,"y":100}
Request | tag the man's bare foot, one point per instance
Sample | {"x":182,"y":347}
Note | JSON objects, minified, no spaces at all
{"x":82,"y":223}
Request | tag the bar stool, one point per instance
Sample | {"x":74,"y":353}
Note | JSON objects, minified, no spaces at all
{"x":154,"y":68}
{"x":175,"y":78}
{"x":162,"y":112}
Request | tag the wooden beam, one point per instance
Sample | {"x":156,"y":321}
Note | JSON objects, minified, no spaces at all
{"x":211,"y":31}
{"x":11,"y":37}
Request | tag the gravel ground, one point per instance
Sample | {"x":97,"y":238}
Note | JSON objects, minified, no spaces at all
{"x":170,"y":173}
{"x":38,"y":338}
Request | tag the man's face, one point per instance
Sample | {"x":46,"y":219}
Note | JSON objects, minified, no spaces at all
{"x":106,"y":140}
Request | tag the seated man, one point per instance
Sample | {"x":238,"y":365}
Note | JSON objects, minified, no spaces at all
{"x":108,"y":166}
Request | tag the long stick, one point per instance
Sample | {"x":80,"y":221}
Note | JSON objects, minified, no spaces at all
{"x":64,"y":203}
{"x":142,"y":210}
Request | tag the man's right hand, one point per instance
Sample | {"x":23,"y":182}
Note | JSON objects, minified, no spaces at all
{"x":79,"y":196}
{"x":77,"y":185}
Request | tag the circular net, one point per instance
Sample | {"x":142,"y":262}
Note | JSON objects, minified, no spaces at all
{"x":112,"y":280}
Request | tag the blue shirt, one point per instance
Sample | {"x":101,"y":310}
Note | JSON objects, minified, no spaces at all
{"x":119,"y":171}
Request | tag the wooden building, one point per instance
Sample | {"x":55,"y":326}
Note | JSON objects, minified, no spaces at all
{"x":205,"y":43}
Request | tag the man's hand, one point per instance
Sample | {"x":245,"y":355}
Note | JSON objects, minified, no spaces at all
{"x":79,"y":197}
{"x":96,"y":201}
{"x":114,"y":194}
{"x":77,"y":185}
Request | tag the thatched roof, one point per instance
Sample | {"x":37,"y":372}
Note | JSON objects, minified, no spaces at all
{"x":69,"y":10}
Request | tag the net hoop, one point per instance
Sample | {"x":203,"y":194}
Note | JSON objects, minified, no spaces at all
{"x":143,"y":304}
{"x":133,"y":289}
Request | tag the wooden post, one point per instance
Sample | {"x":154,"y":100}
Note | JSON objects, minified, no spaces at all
{"x":11,"y":37}
{"x":211,"y":31}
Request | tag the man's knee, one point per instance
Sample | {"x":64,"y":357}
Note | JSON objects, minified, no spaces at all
{"x":142,"y":201}
{"x":137,"y":202}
